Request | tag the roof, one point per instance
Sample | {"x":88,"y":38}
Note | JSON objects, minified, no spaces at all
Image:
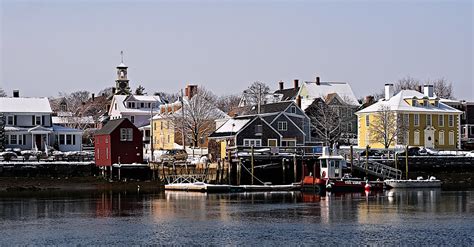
{"x":58,"y":128}
{"x":122,"y":65}
{"x":264,"y":109}
{"x":29,"y":105}
{"x":110,"y":126}
{"x":399,"y":103}
{"x":231,"y":127}
{"x":71,"y":119}
{"x":120,"y":99}
{"x":343,"y":89}
{"x":288,"y":93}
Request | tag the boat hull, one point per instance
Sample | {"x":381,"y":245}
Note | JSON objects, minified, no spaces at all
{"x":413,"y":183}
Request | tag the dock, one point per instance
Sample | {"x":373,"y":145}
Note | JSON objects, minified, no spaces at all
{"x":223,"y":188}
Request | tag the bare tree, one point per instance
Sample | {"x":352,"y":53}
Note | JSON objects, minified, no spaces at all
{"x":2,"y":131}
{"x":406,"y":83}
{"x":2,"y":93}
{"x":199,"y":114}
{"x":168,"y":97}
{"x":386,"y":126}
{"x":79,"y":108}
{"x":140,"y":90}
{"x":107,"y":92}
{"x":255,"y":94}
{"x":227,"y":103}
{"x":326,"y":123}
{"x":443,"y":89}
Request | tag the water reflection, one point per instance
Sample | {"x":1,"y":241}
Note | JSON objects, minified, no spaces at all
{"x":181,"y":217}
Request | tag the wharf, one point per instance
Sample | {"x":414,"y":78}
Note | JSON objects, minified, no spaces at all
{"x":221,"y":188}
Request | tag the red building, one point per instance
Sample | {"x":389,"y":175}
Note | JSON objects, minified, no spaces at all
{"x":119,"y":141}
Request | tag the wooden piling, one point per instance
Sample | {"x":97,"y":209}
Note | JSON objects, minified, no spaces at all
{"x":366,"y":161}
{"x":294,"y":168}
{"x":284,"y":170}
{"x":239,"y":172}
{"x":252,"y":162}
{"x":352,"y":160}
{"x":406,"y":161}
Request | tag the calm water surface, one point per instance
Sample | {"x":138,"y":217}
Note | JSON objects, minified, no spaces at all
{"x":406,"y":217}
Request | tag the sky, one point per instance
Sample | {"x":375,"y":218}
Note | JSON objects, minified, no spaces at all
{"x":49,"y":47}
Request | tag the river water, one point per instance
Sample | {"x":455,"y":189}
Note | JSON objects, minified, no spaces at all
{"x":396,"y":217}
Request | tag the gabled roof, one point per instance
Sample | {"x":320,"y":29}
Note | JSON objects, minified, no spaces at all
{"x":26,"y":105}
{"x":288,"y":93}
{"x":343,"y":89}
{"x":399,"y":103}
{"x":264,"y":109}
{"x":111,"y":126}
{"x":232,"y":127}
{"x":121,"y":99}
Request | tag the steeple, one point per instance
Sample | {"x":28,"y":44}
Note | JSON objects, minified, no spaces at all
{"x":121,"y":84}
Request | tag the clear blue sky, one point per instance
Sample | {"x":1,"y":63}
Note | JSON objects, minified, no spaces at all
{"x":52,"y":46}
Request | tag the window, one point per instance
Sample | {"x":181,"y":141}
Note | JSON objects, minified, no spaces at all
{"x":168,"y":138}
{"x":161,"y":125}
{"x":142,"y":105}
{"x":252,"y":142}
{"x":106,"y":153}
{"x":10,"y":120}
{"x":61,"y":139}
{"x":471,"y":130}
{"x":115,"y":106}
{"x":293,"y":109}
{"x":258,"y":129}
{"x":20,"y":140}
{"x":288,"y":143}
{"x":13,"y":139}
{"x":416,"y":138}
{"x":367,"y":120}
{"x":416,"y":119}
{"x":451,"y":138}
{"x":132,"y":118}
{"x":38,"y":120}
{"x":441,"y":138}
{"x":68,"y":139}
{"x":126,"y":134}
{"x":406,"y":120}
{"x":272,"y":142}
{"x":98,"y":153}
{"x":451,"y":120}
{"x":154,"y":126}
{"x":441,"y":120}
{"x":282,"y":126}
{"x":106,"y":139}
{"x":428,"y":120}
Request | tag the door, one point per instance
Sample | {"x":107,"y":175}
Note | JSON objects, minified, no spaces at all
{"x":429,"y":137}
{"x":38,"y":142}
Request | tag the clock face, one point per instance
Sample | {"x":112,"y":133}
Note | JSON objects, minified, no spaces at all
{"x":122,"y":84}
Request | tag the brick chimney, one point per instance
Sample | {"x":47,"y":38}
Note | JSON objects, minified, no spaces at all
{"x":369,"y":99}
{"x":296,"y":83}
{"x":418,"y":88}
{"x":192,"y":90}
{"x":318,"y":82}
{"x":16,"y":93}
{"x":93,"y":97}
{"x":298,"y":101}
{"x":281,"y":85}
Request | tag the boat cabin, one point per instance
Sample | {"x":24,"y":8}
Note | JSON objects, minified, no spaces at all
{"x":330,"y":166}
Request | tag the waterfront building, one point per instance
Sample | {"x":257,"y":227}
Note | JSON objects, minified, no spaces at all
{"x":118,"y":142}
{"x":29,"y":126}
{"x":419,"y":119}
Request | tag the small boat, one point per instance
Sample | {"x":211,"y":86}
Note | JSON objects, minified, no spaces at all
{"x":431,"y":182}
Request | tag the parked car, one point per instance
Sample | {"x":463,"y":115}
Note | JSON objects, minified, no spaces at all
{"x":413,"y":151}
{"x":372,"y":153}
{"x":174,"y":155}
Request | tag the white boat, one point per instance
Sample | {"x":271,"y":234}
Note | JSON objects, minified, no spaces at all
{"x":432,"y":182}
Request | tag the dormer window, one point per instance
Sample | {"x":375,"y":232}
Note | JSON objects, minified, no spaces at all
{"x":413,"y":102}
{"x":425,"y":102}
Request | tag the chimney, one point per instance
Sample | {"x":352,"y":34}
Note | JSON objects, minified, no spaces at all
{"x":428,"y":90}
{"x":298,"y":101}
{"x":281,"y":85}
{"x":16,"y":93}
{"x":93,"y":97}
{"x":418,"y":88}
{"x":192,"y":90}
{"x":388,"y":91}
{"x":296,"y":83}
{"x":318,"y":82}
{"x":369,"y":99}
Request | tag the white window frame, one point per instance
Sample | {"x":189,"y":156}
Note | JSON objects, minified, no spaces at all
{"x":126,"y":134}
{"x":40,"y":120}
{"x":106,"y":153}
{"x":441,"y":138}
{"x":282,"y":125}
{"x":451,"y":120}
{"x":416,"y":137}
{"x":132,"y":119}
{"x":441,"y":120}
{"x":12,"y":120}
{"x":287,"y":141}
{"x":258,"y":129}
{"x":293,"y":109}
{"x":253,"y":142}
{"x":429,"y":120}
{"x":98,"y":153}
{"x":451,"y":138}
{"x":13,"y":138}
{"x":416,"y":119}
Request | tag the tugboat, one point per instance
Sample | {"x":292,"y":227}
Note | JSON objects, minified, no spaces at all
{"x":331,"y":177}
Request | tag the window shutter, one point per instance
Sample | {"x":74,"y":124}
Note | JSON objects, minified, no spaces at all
{"x":73,"y":139}
{"x":33,"y":120}
{"x":42,"y":120}
{"x":14,"y":120}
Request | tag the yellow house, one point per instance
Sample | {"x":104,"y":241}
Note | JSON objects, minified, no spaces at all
{"x":163,"y":132}
{"x":409,"y":118}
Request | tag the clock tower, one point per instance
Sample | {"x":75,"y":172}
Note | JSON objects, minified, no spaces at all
{"x":121,"y":84}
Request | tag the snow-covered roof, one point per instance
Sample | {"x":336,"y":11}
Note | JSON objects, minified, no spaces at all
{"x":343,"y":89}
{"x":399,"y":103}
{"x":120,"y":101}
{"x":26,"y":105}
{"x":122,"y":65}
{"x":233,"y":125}
{"x":70,"y":119}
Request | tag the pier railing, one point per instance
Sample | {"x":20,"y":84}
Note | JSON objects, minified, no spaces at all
{"x":377,"y":169}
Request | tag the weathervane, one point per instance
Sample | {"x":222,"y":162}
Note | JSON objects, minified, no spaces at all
{"x":121,"y":54}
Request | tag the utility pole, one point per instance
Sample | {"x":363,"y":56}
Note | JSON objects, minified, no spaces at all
{"x":182,"y":121}
{"x":152,"y":149}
